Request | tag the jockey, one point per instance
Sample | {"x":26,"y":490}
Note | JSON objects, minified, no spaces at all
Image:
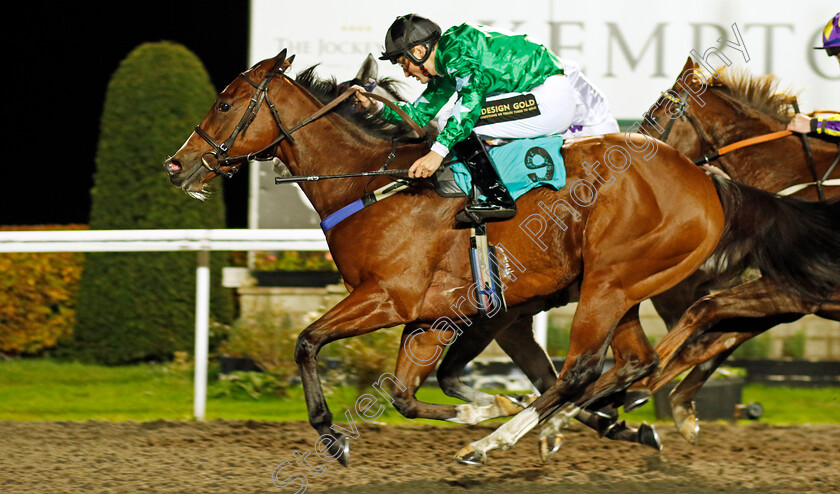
{"x":828,"y":126}
{"x":488,"y":70}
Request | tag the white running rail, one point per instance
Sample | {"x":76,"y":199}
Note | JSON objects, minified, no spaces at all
{"x":201,"y":241}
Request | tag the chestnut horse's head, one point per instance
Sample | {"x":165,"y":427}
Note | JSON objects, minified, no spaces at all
{"x":243,"y":124}
{"x":667,"y":119}
{"x":699,"y":108}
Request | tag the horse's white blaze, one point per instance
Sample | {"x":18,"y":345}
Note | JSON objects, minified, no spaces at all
{"x":509,"y":433}
{"x":559,"y":421}
{"x":185,"y":143}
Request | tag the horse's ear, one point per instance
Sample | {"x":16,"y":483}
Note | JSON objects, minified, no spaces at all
{"x":287,"y":63}
{"x":690,"y":74}
{"x":280,"y":58}
{"x":369,"y":69}
{"x":689,"y":65}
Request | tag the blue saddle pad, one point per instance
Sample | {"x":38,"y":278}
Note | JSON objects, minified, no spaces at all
{"x":522,"y":165}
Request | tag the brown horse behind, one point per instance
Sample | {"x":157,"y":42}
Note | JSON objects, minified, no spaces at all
{"x":719,"y":111}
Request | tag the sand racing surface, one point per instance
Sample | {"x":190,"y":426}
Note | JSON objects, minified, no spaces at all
{"x":241,"y":456}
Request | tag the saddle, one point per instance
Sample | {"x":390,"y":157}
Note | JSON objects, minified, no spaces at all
{"x":519,"y":165}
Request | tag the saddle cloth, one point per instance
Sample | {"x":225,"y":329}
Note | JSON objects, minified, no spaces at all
{"x":522,"y":165}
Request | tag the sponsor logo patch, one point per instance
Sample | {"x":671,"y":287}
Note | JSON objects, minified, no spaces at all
{"x":508,"y":109}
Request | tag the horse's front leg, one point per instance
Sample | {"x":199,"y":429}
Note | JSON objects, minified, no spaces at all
{"x":366,"y":309}
{"x":420,"y":350}
{"x":634,"y":359}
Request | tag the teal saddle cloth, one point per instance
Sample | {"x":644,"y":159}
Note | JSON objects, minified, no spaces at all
{"x":522,"y":165}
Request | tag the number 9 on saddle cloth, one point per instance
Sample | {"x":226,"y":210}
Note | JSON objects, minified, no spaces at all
{"x":521,"y":165}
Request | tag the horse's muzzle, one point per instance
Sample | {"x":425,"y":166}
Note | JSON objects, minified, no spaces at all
{"x":173,"y":167}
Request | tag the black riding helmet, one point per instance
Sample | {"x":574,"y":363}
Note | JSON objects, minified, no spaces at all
{"x":406,"y":32}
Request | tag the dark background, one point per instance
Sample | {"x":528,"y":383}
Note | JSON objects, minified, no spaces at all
{"x":59,"y":58}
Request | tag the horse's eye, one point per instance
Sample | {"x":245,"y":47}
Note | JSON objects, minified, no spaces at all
{"x":224,"y":107}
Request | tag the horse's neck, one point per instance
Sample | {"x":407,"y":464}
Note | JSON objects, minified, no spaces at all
{"x":739,"y":122}
{"x":763,"y":165}
{"x":735,"y":122}
{"x":331,"y":146}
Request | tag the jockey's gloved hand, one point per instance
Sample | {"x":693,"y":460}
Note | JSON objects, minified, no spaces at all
{"x":360,"y":100}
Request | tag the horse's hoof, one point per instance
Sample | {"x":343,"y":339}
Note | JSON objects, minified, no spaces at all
{"x":690,"y":429}
{"x":685,"y":418}
{"x":340,"y":449}
{"x":469,"y":456}
{"x":550,"y":445}
{"x":511,"y":405}
{"x":635,"y":399}
{"x":526,"y":400}
{"x":607,"y":413}
{"x":606,"y":422}
{"x":649,"y":437}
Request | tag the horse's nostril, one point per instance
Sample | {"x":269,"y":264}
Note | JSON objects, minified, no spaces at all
{"x":173,"y":167}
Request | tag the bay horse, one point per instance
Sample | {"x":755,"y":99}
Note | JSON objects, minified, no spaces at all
{"x":630,"y":225}
{"x":738,"y":98}
{"x":715,"y":112}
{"x":513,"y":334}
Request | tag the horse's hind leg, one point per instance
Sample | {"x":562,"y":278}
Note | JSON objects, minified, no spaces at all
{"x":682,"y":396}
{"x":698,"y":336}
{"x":712,"y":347}
{"x":707,"y":352}
{"x":634,"y":359}
{"x":517,"y":340}
{"x":599,"y":311}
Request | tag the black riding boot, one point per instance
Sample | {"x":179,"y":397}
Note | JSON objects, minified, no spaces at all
{"x":497,"y":205}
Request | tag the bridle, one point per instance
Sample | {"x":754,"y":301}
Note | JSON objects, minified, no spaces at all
{"x":220,"y":150}
{"x":705,"y":143}
{"x":682,"y":114}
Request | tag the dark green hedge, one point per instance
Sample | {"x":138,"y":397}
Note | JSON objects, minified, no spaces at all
{"x":140,"y":306}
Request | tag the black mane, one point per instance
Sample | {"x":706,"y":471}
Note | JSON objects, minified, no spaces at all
{"x":326,"y":90}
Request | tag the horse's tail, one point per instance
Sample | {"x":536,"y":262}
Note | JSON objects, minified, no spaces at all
{"x":794,"y":242}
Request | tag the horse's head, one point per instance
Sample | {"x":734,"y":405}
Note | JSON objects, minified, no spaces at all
{"x":243,"y":124}
{"x":699,"y":108}
{"x":670,"y":117}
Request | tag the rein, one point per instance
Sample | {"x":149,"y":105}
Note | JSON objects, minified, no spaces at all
{"x":752,"y":141}
{"x":705,"y":160}
{"x":220,"y":151}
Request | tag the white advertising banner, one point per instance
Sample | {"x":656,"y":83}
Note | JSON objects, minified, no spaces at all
{"x":631,"y":50}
